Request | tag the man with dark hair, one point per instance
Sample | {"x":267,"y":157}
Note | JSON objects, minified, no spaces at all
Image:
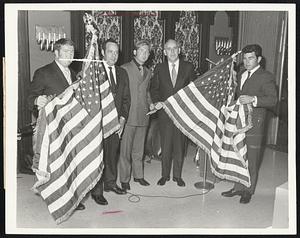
{"x":132,"y":144}
{"x":168,"y":78}
{"x":257,"y":87}
{"x":52,"y":79}
{"x":119,"y":85}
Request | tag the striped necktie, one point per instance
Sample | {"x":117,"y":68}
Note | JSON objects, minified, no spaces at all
{"x":174,"y":75}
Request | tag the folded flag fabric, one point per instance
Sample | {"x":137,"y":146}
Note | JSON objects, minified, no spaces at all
{"x":70,"y":130}
{"x":205,"y":112}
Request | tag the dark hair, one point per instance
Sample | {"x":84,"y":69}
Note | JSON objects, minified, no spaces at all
{"x":253,"y":48}
{"x":107,"y":41}
{"x":63,"y":41}
{"x":141,"y":43}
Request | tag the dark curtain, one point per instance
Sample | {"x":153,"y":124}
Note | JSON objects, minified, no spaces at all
{"x":24,"y":146}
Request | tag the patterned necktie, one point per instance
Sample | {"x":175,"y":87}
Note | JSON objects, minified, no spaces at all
{"x":112,"y":80}
{"x":174,"y":75}
{"x":141,"y":70}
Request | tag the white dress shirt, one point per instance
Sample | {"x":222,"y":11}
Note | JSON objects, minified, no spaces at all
{"x":113,"y":69}
{"x":171,"y":67}
{"x":244,"y":78}
{"x":65,"y":71}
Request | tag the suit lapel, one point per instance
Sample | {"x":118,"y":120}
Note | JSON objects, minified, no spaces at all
{"x":117,"y":77}
{"x":59,"y":73}
{"x":250,"y":80}
{"x":167,"y":72}
{"x":180,"y":73}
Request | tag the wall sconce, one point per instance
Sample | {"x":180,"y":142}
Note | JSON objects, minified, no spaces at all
{"x":46,"y":36}
{"x":223,"y":45}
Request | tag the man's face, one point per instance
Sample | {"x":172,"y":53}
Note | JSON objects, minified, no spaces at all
{"x":111,"y":53}
{"x":172,"y":51}
{"x":142,"y":54}
{"x":250,"y":60}
{"x":65,"y":52}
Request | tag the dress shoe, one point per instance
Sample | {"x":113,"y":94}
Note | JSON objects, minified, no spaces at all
{"x":115,"y":189}
{"x":141,"y":181}
{"x":162,"y":181}
{"x":125,"y":186}
{"x":231,"y":193}
{"x":179,"y":182}
{"x":80,"y":207}
{"x":245,"y":198}
{"x":100,"y":199}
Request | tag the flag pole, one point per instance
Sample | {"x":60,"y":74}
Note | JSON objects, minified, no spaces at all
{"x":204,"y":185}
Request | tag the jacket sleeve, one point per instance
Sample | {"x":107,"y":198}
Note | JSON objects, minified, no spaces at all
{"x":269,"y":98}
{"x":154,"y":86}
{"x":192,"y":75}
{"x":36,"y":89}
{"x":126,"y":100}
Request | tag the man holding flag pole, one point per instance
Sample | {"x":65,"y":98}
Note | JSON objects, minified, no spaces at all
{"x":68,"y":161}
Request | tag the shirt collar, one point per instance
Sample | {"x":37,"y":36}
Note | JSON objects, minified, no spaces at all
{"x":62,"y":68}
{"x":253,"y":70}
{"x":106,"y":65}
{"x":171,"y":64}
{"x":136,"y":63}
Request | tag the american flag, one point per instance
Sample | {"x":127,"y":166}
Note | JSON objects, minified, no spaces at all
{"x":69,"y":154}
{"x":205,"y":112}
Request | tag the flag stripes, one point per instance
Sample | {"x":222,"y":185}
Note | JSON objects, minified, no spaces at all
{"x":70,"y":130}
{"x":199,"y":110}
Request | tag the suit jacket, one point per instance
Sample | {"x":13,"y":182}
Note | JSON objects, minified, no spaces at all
{"x":48,"y":80}
{"x":122,"y":97}
{"x":262,"y":85}
{"x":161,"y":84}
{"x":139,"y":93}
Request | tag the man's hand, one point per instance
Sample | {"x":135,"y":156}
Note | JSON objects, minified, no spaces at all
{"x":41,"y":101}
{"x":158,"y":105}
{"x":151,"y":107}
{"x":122,"y":124}
{"x":245,"y":99}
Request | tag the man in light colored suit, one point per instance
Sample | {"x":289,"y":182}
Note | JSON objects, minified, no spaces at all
{"x":255,"y":86}
{"x":132,"y":143}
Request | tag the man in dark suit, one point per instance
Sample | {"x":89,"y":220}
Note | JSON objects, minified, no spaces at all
{"x":168,"y":78}
{"x":255,"y":86}
{"x":119,"y":85}
{"x":132,"y":144}
{"x":52,"y":79}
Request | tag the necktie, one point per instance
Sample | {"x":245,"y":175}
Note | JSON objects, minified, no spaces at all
{"x":174,"y":75}
{"x":112,"y":80}
{"x":68,"y":75}
{"x":249,"y":74}
{"x":141,"y":70}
